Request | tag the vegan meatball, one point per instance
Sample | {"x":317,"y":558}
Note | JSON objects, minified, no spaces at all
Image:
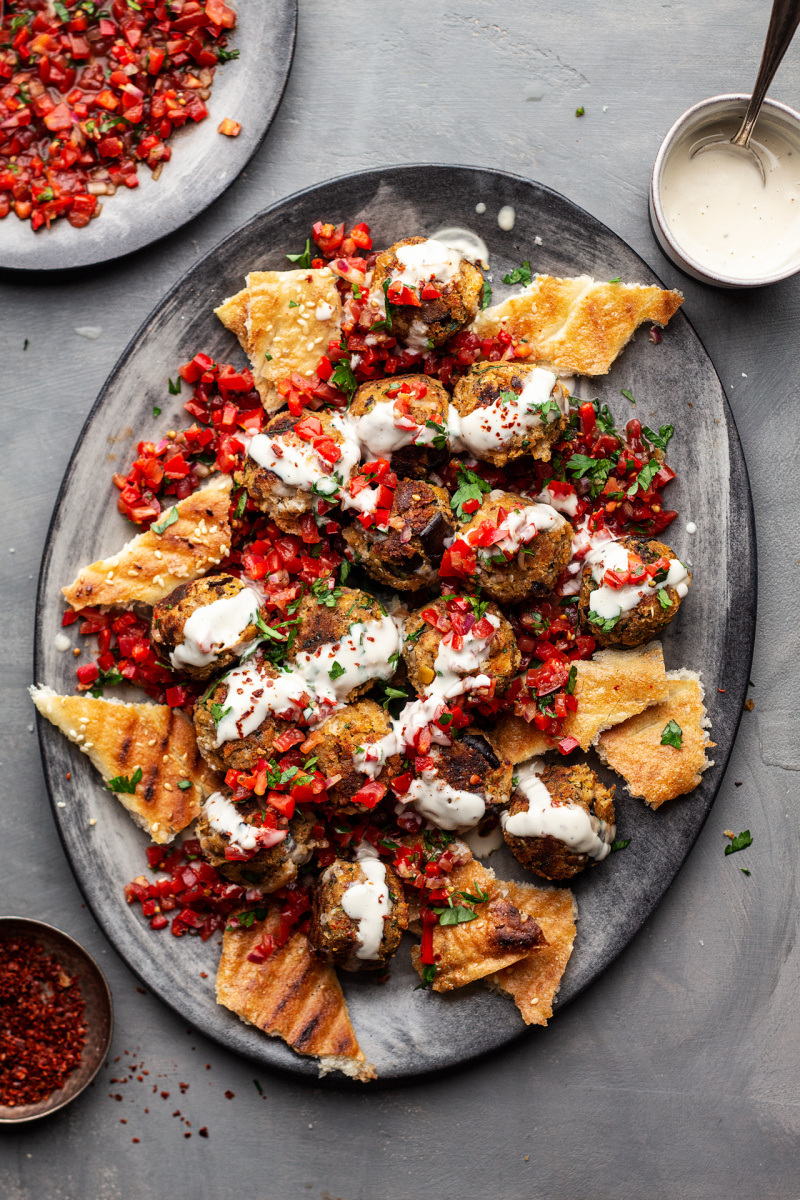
{"x":358,"y":914}
{"x":520,"y":547}
{"x":345,"y":640}
{"x":265,"y":862}
{"x":432,"y":291}
{"x":203,"y":626}
{"x":407,"y":554}
{"x":348,"y":748}
{"x":631,"y":590}
{"x":462,"y":782}
{"x":404,"y":420}
{"x":487,"y":649}
{"x":561,"y":818}
{"x":294,"y":463}
{"x":510,"y":409}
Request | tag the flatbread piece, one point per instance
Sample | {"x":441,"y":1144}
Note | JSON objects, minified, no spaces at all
{"x":119,"y":737}
{"x":533,"y":982}
{"x":292,"y":995}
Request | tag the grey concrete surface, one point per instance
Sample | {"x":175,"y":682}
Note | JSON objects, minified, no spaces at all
{"x":677,"y":1074}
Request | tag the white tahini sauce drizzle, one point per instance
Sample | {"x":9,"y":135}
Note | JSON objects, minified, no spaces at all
{"x":484,"y":844}
{"x":384,"y":430}
{"x":215,"y":627}
{"x":492,"y":427}
{"x":454,"y":668}
{"x":368,"y":903}
{"x":324,"y":311}
{"x":370,"y":758}
{"x":297,"y":464}
{"x":424,"y":261}
{"x":563,"y":504}
{"x":506,"y":218}
{"x":569,"y":823}
{"x":518,"y":528}
{"x":252,"y":696}
{"x":465,"y":242}
{"x":362,"y":655}
{"x":691,"y":527}
{"x":224,"y":817}
{"x":61,"y":643}
{"x":609,"y":602}
{"x":445,"y":806}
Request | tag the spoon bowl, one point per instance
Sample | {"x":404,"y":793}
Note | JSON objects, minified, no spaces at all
{"x":736,"y":148}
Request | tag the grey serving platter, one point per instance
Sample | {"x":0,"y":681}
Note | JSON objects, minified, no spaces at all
{"x":406,"y":1032}
{"x":203,"y":164}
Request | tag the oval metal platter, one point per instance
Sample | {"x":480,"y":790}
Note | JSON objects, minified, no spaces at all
{"x":403,"y":1031}
{"x":203,"y":164}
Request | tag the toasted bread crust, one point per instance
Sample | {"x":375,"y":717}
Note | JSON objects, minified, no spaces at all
{"x":292,"y":995}
{"x":152,"y":565}
{"x":533,"y":982}
{"x":119,"y":738}
{"x":578,"y":325}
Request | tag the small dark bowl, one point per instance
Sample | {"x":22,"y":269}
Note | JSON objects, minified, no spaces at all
{"x":99,"y":1014}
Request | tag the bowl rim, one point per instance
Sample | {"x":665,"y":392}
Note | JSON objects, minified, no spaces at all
{"x":34,"y":924}
{"x":673,"y":248}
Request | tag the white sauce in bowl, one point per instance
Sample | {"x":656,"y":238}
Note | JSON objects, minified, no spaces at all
{"x":719,"y":212}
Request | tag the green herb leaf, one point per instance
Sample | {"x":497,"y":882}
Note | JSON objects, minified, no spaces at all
{"x":110,"y":678}
{"x":344,"y":379}
{"x":645,"y":477}
{"x":479,"y":898}
{"x":597,"y":470}
{"x":336,"y":671}
{"x":744,"y":870}
{"x":241,"y":504}
{"x":573,"y":675}
{"x":303,"y":259}
{"x":124,"y":784}
{"x":471,"y":487}
{"x":579,"y":113}
{"x":61,"y":11}
{"x":672,"y":735}
{"x":605,"y":624}
{"x":740,"y":842}
{"x":274,"y":635}
{"x":486,"y":294}
{"x":660,"y":439}
{"x":617,"y":279}
{"x":258,"y":1087}
{"x":218,"y":712}
{"x":628,"y":394}
{"x":293,"y":304}
{"x":174,"y":385}
{"x":520,"y":274}
{"x":620,"y":845}
{"x":184,"y":784}
{"x":428,"y":976}
{"x":344,"y":571}
{"x":165,"y":523}
{"x":663,"y":598}
{"x":391,"y":693}
{"x":156,"y":411}
{"x":457,"y":915}
{"x":224,"y":56}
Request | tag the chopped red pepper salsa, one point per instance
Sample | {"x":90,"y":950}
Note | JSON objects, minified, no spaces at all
{"x":90,"y":90}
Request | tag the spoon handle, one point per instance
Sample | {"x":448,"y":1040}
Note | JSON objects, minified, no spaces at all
{"x":783,"y":22}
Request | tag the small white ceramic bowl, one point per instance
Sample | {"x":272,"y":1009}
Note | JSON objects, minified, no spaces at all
{"x":695,"y":119}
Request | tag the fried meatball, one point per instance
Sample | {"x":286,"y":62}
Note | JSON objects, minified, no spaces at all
{"x":496,"y":426}
{"x":466,"y":779}
{"x":243,"y":753}
{"x":331,"y":656}
{"x":280,"y":484}
{"x":634,"y":612}
{"x":571,"y":821}
{"x":221,"y":824}
{"x":528,"y":560}
{"x":358,"y":942}
{"x":407,"y":554}
{"x":432,"y":663}
{"x":391,"y":421}
{"x":432,"y":322}
{"x":346,"y":738}
{"x":200,"y":645}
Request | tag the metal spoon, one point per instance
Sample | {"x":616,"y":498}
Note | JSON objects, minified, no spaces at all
{"x":783,"y":22}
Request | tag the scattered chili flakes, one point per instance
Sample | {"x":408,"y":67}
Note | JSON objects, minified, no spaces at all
{"x":42,"y":1030}
{"x":203,"y":1132}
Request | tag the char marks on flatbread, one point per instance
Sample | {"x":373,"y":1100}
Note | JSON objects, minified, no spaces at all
{"x":501,"y":934}
{"x":534,"y":981}
{"x":578,"y":325}
{"x":152,"y":565}
{"x":117,"y":738}
{"x":291,"y":995}
{"x":611,"y":687}
{"x":277,"y":338}
{"x":653,"y":772}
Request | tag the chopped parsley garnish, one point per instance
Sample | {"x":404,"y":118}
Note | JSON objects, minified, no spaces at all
{"x":478,"y":607}
{"x":520,"y":274}
{"x":663,"y":598}
{"x":597,"y":470}
{"x":303,"y":259}
{"x":394,"y":658}
{"x":168,"y":520}
{"x":387,"y":322}
{"x":672,"y":735}
{"x":344,"y":571}
{"x":185,"y":784}
{"x":620,"y":845}
{"x":486,"y":294}
{"x":616,"y":279}
{"x":391,"y":693}
{"x":336,"y":670}
{"x":604,"y":624}
{"x":479,"y":898}
{"x":273,"y":634}
{"x":259,"y":1089}
{"x":109,"y":678}
{"x":344,"y":379}
{"x":471,"y":487}
{"x":428,"y":976}
{"x":61,"y":10}
{"x":628,"y":394}
{"x":156,"y":411}
{"x":125,"y":784}
{"x":456,"y":915}
{"x":224,"y":56}
{"x":644,"y":478}
{"x":573,"y":675}
{"x":241,"y":504}
{"x":246,"y":919}
{"x":326,"y":595}
{"x":660,"y":439}
{"x":293,"y":304}
{"x":579,"y":112}
{"x":218,"y":712}
{"x":440,"y":440}
{"x":174,"y":385}
{"x":740,"y":842}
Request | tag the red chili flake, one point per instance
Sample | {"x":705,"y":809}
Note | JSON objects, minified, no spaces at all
{"x":187,"y":1135}
{"x":42,"y":1030}
{"x":203,"y":1132}
{"x":229,"y":1095}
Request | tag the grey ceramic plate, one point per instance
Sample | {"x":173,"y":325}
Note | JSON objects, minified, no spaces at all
{"x":406,"y":1032}
{"x":204,"y":162}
